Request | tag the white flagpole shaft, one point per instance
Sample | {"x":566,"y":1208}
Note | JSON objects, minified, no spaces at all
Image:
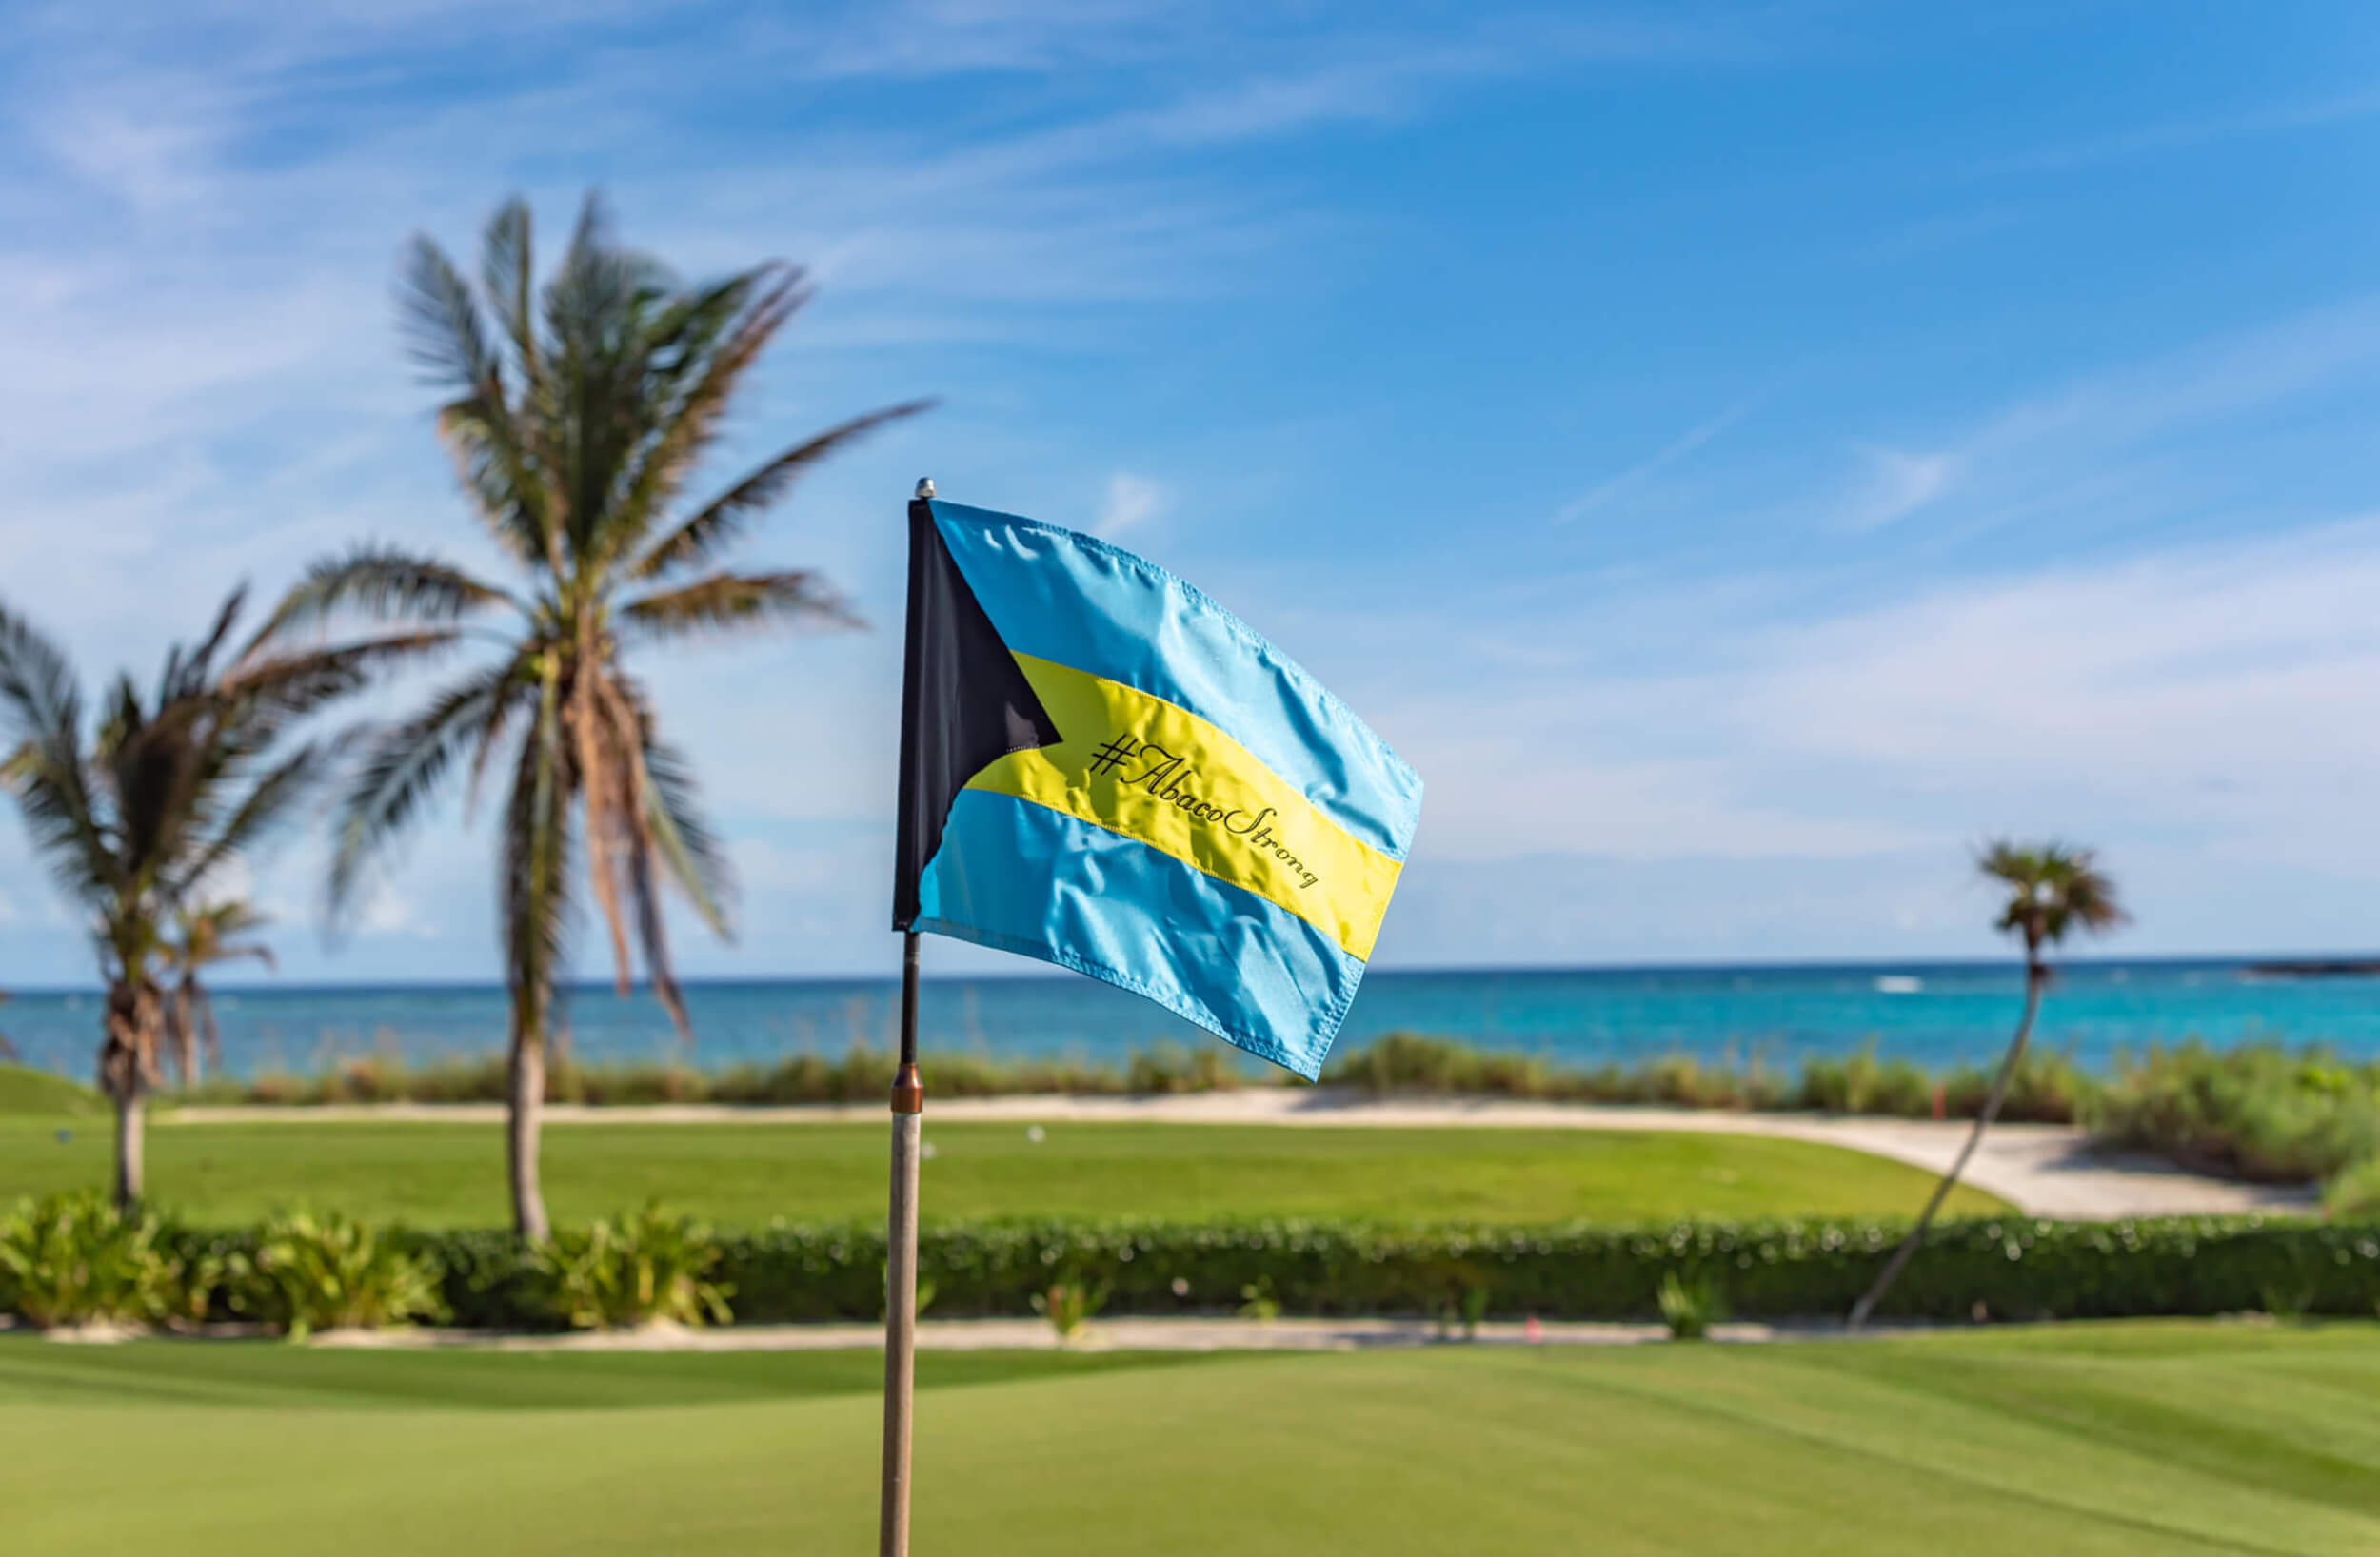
{"x":901,"y":1271}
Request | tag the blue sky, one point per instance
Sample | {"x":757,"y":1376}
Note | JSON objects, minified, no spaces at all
{"x":1740,"y":455}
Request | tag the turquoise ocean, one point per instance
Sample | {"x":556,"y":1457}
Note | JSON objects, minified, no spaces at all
{"x":1936,"y":1013}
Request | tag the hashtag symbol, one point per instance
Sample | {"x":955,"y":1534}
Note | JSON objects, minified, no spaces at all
{"x":1114,"y":755}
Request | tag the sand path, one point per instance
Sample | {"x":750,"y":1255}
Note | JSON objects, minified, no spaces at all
{"x":2043,"y":1169}
{"x":1119,"y":1334}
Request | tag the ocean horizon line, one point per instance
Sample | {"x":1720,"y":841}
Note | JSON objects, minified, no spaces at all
{"x":2216,"y":960}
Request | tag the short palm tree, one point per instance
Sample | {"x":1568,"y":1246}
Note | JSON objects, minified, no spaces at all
{"x":133,"y":811}
{"x":2050,"y":891}
{"x":203,"y":938}
{"x":578,"y":415}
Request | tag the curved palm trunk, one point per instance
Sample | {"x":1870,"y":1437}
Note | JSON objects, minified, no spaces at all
{"x":132,"y":1151}
{"x":1991,"y":1110}
{"x":134,"y":1015}
{"x":524,"y":1116}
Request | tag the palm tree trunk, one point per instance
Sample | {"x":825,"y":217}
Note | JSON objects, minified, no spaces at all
{"x":1990,"y":1111}
{"x":134,"y":1014}
{"x":131,"y":1148}
{"x":522,"y":1120}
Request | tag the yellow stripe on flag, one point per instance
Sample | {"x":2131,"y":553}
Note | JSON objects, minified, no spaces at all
{"x":1142,"y":767}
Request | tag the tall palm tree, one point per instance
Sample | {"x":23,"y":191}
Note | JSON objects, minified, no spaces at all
{"x":578,"y":415}
{"x":203,"y":937}
{"x":133,"y":811}
{"x":2050,"y":890}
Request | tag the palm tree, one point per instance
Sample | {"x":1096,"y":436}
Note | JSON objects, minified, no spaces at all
{"x":578,"y":416}
{"x":203,"y":937}
{"x":135,"y":811}
{"x":2050,"y":889}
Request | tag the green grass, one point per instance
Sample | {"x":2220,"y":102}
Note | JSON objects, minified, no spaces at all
{"x":2123,"y":1439}
{"x":742,"y":1175}
{"x":26,"y":1092}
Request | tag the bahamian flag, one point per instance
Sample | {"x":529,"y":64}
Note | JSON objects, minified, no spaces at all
{"x":1102,"y":768}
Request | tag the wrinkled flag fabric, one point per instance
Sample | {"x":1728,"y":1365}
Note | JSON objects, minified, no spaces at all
{"x":1102,"y":768}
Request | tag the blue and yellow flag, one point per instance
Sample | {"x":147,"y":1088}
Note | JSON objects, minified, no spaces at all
{"x":1102,"y":768}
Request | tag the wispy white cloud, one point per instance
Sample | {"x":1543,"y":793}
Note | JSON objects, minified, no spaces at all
{"x":1131,"y":502}
{"x":1636,"y":476}
{"x":2188,"y":134}
{"x":1894,"y":484}
{"x":2107,"y":448}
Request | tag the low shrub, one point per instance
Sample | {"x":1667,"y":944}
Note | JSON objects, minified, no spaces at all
{"x":2047,"y":1087}
{"x":1690,"y":1306}
{"x":1069,"y":1305}
{"x":1171,"y":1068}
{"x":306,"y":1272}
{"x":76,"y":1259}
{"x":2354,"y":1196}
{"x":1860,"y":1083}
{"x":639,"y":1270}
{"x":2263,"y":1111}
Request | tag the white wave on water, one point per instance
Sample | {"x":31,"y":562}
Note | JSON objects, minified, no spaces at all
{"x":1898,"y":984}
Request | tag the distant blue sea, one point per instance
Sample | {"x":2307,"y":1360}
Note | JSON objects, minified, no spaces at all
{"x":1930,"y":1013}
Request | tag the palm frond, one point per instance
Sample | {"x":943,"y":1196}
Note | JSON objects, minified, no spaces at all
{"x":689,"y":849}
{"x":70,"y":840}
{"x":603,"y":788}
{"x":501,"y":469}
{"x":267,"y":805}
{"x":729,"y":601}
{"x":269,"y":693}
{"x":702,"y":346}
{"x":506,"y":471}
{"x":38,"y":697}
{"x":443,"y":331}
{"x":41,"y":712}
{"x":380,"y":584}
{"x":508,"y":276}
{"x":629,"y":727}
{"x":2052,"y":889}
{"x":401,"y":770}
{"x":724,"y":518}
{"x":187,"y":674}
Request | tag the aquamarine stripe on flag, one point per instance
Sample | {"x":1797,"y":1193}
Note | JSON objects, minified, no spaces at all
{"x":1109,"y":906}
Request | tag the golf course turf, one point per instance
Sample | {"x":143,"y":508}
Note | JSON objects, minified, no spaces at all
{"x":2083,"y":1439}
{"x":743,"y":1174}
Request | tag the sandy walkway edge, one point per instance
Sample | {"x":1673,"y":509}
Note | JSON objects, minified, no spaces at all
{"x":1121,"y":1334}
{"x":2043,"y":1169}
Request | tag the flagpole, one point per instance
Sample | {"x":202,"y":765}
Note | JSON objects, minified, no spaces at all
{"x":901,"y":1268}
{"x":901,"y":1256}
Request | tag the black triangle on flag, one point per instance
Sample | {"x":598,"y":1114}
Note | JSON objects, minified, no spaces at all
{"x":964,"y":704}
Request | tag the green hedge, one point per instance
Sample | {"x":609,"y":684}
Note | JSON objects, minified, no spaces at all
{"x":2017,"y":1269}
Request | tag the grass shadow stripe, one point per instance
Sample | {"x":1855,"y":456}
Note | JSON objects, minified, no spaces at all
{"x":1770,"y":1426}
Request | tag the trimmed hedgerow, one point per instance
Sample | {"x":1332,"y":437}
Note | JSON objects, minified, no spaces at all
{"x":2014,"y":1267}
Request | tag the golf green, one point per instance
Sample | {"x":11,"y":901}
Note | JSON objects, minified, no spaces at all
{"x":442,"y":1174}
{"x":2080,"y":1439}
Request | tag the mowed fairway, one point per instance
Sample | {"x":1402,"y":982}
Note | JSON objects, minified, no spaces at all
{"x":743,"y":1174}
{"x":2118,"y":1439}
